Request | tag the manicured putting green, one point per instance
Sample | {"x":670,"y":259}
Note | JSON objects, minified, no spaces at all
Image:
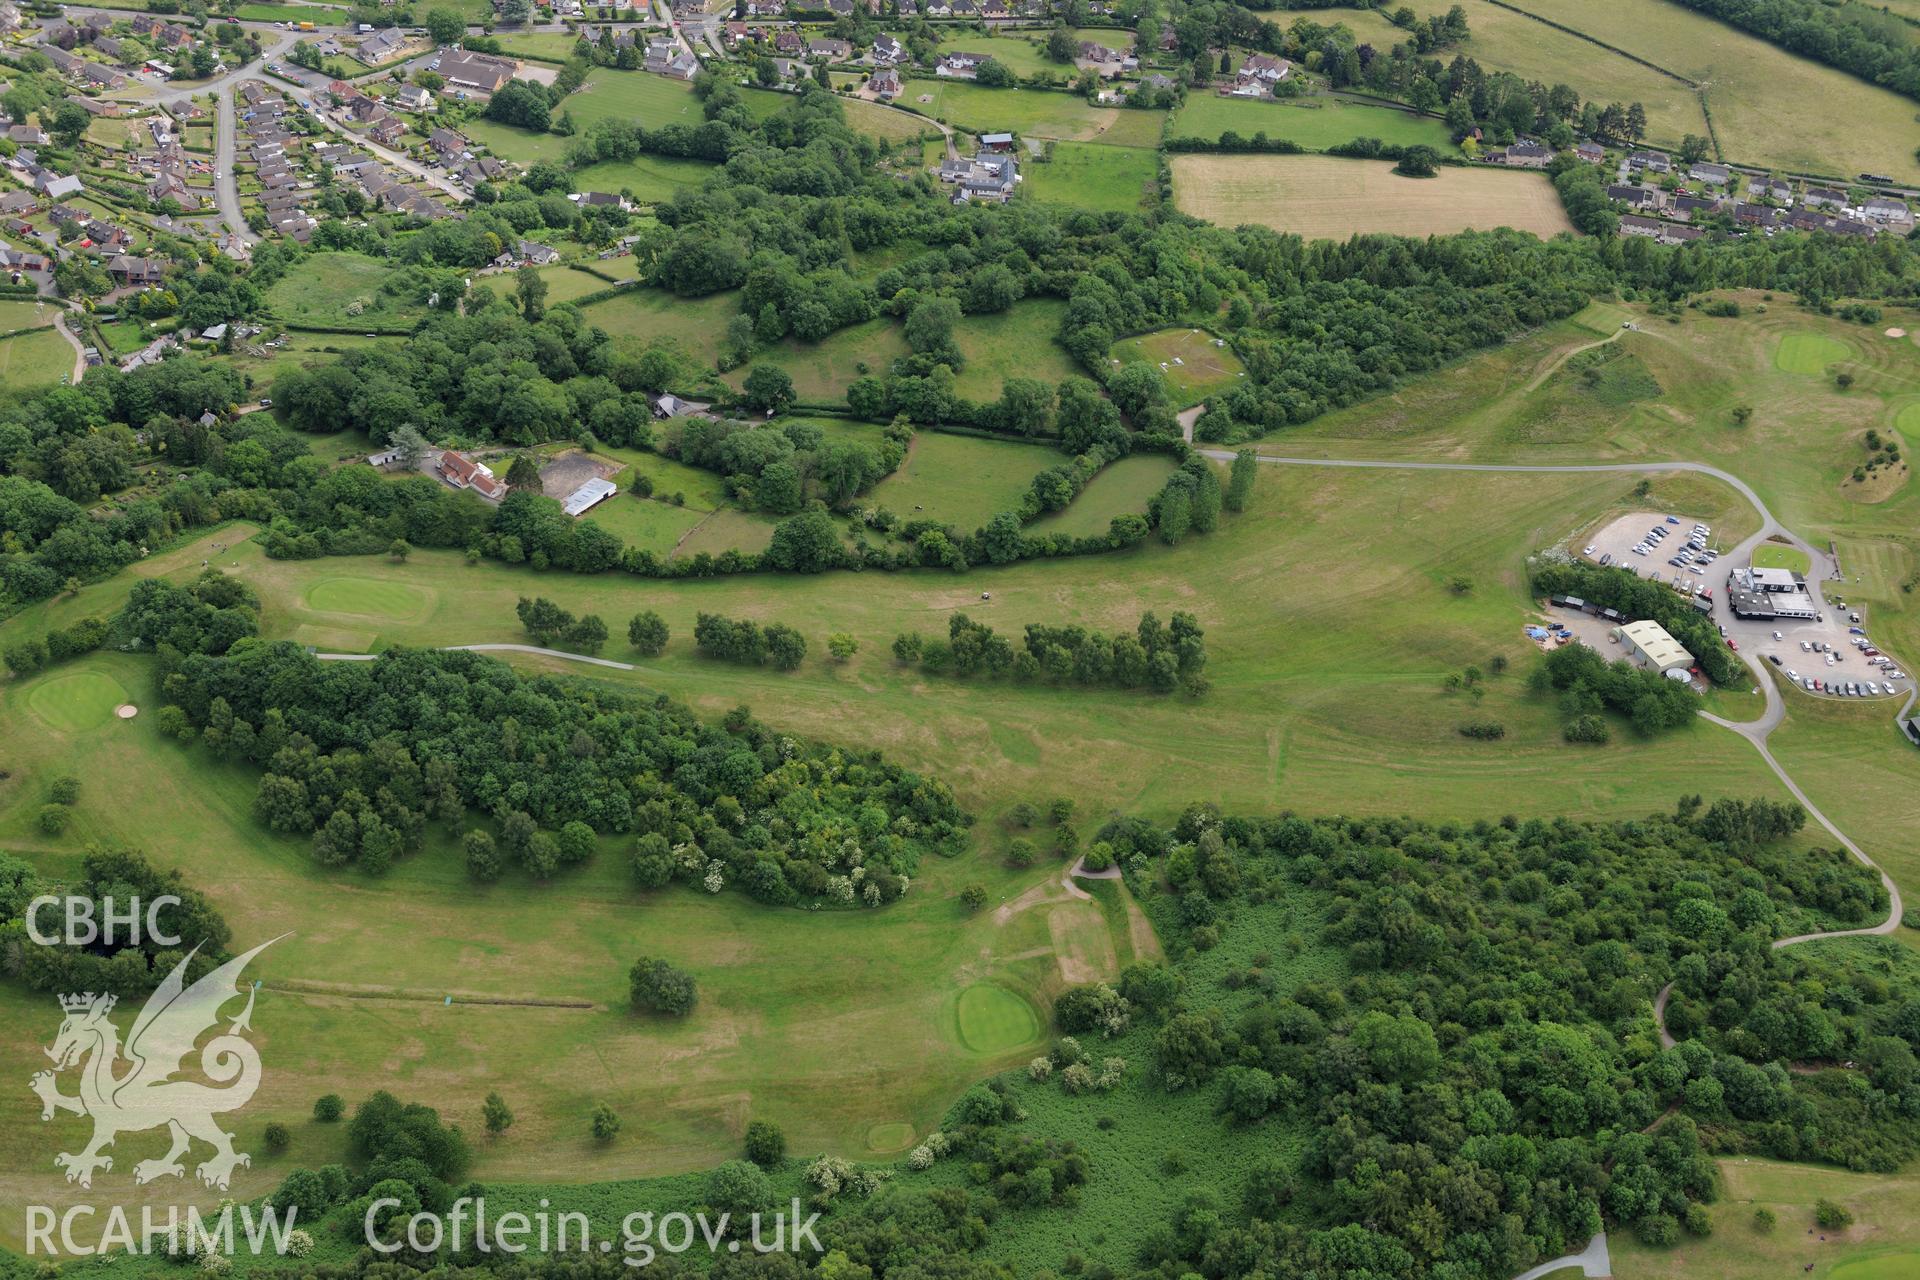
{"x":896,"y":1136}
{"x":994,"y":1019}
{"x":1809,"y":353}
{"x":1908,"y":419}
{"x":368,"y":598}
{"x":1888,"y":1266}
{"x":78,"y":701}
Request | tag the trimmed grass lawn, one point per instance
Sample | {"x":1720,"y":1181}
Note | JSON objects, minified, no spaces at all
{"x":1774,"y":555}
{"x":647,"y":523}
{"x":320,"y":289}
{"x":1330,"y":198}
{"x":1036,"y":113}
{"x":1121,"y":488}
{"x":1202,"y":369}
{"x":646,"y":179}
{"x":1757,"y":91}
{"x":1093,"y":176}
{"x":32,"y":361}
{"x":639,"y":318}
{"x":521,"y":146}
{"x":370,"y":598}
{"x":543,"y":46}
{"x":70,"y":701}
{"x":1015,"y":344}
{"x":1023,"y":57}
{"x":993,"y":1019}
{"x":961,"y":480}
{"x":729,"y":529}
{"x":1809,"y":353}
{"x":632,"y":96}
{"x":25,"y":313}
{"x":1315,"y":124}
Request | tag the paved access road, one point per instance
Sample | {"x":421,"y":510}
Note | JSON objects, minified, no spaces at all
{"x":1758,"y":731}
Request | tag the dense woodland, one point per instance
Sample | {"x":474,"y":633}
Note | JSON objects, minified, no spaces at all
{"x":1444,"y":1029}
{"x":363,"y":756}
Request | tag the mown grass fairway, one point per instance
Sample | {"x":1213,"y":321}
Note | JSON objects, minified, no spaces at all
{"x":1879,"y":1246}
{"x":1315,"y":124}
{"x":1809,"y":353}
{"x":1095,"y":176}
{"x":370,"y":598}
{"x":992,"y":1019}
{"x":1329,"y":198}
{"x":74,"y":701}
{"x":1192,"y":362}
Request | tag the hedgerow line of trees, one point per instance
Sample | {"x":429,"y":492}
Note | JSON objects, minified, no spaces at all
{"x":1156,"y":656}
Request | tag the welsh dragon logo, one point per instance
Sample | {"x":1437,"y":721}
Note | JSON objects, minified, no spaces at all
{"x":145,"y":1094}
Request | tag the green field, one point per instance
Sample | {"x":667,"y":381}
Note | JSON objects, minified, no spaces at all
{"x":962,"y":480}
{"x":1036,"y":113}
{"x":994,"y":1020}
{"x":543,"y":46}
{"x":69,"y":703}
{"x":520,"y":146}
{"x":1015,"y":344}
{"x":646,"y":179}
{"x":639,"y":318}
{"x":821,"y":371}
{"x":31,"y":361}
{"x":1315,"y":124}
{"x":1192,"y":362}
{"x":1773,"y":555}
{"x":1094,"y":176}
{"x":1121,"y":488}
{"x":702,"y":491}
{"x":1809,"y":353}
{"x":370,"y":598}
{"x":1504,"y":40}
{"x":340,"y":289}
{"x":652,"y":524}
{"x":635,"y":97}
{"x":1756,"y":90}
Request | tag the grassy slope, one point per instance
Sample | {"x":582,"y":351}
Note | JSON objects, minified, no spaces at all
{"x":1315,"y":124}
{"x":1092,"y":176}
{"x":319,"y":290}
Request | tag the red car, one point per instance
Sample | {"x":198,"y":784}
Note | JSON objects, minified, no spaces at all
{"x":1733,"y":644}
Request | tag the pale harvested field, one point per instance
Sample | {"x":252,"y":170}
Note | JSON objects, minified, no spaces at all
{"x":1328,"y":198}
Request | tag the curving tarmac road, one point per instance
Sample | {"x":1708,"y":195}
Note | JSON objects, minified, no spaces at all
{"x":1594,"y":1260}
{"x":1758,"y":731}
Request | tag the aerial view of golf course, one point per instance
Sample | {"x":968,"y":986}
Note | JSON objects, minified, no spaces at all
{"x":1034,"y":640}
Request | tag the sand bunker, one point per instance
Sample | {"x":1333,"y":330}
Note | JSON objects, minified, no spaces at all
{"x":126,"y":711}
{"x":1896,"y":333}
